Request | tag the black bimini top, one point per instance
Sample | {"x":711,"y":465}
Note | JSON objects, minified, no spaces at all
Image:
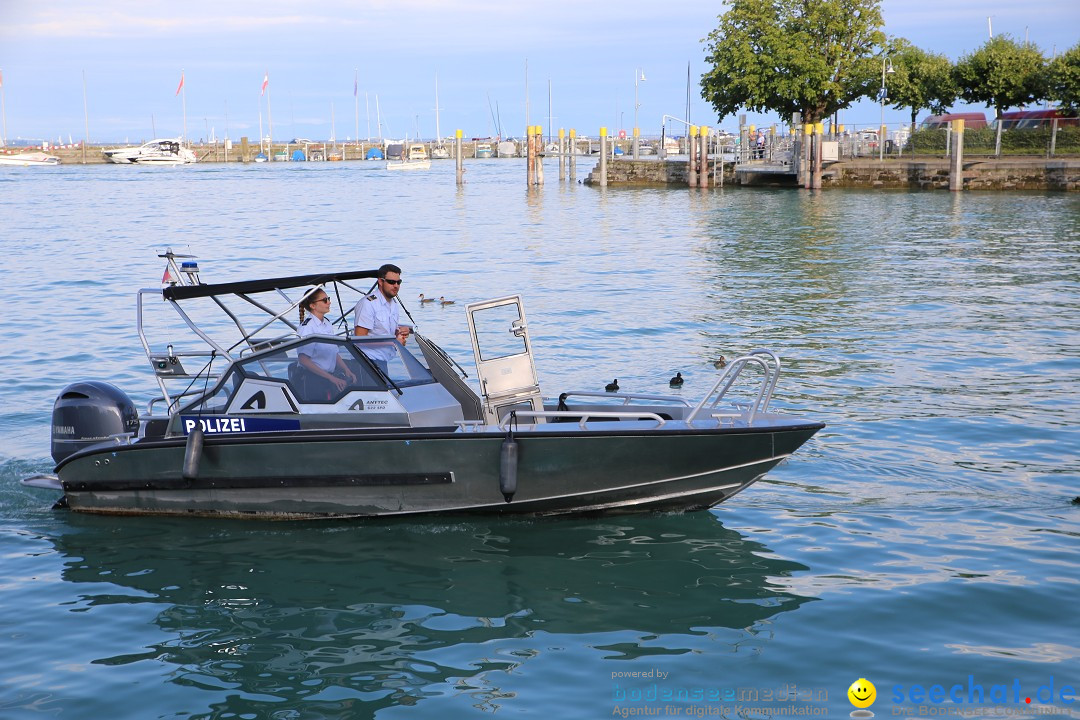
{"x":186,"y":292}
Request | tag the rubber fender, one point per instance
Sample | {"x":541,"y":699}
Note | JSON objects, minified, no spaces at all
{"x":193,"y":454}
{"x":508,"y":467}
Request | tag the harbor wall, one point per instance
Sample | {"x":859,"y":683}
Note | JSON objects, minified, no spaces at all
{"x":978,"y":174}
{"x":651,"y":172}
{"x":923,"y":174}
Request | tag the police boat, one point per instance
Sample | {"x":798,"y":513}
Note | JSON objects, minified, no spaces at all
{"x":234,"y":431}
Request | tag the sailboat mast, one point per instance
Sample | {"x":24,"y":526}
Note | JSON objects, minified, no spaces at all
{"x":378,"y":115}
{"x":269,"y":117}
{"x":367,"y":114}
{"x":549,"y":111}
{"x":438,"y":131}
{"x":356,"y":102}
{"x":183,"y":103}
{"x":86,"y":119}
{"x":3,"y":110}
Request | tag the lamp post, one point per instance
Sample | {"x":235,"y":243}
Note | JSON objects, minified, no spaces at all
{"x":639,"y":76}
{"x":882,"y":97}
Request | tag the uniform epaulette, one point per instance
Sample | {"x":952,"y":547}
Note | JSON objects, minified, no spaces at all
{"x":306,"y":321}
{"x":371,"y":297}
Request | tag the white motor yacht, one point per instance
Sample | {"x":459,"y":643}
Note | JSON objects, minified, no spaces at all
{"x":155,"y":152}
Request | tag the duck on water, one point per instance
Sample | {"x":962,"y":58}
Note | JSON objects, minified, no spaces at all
{"x":233,"y":433}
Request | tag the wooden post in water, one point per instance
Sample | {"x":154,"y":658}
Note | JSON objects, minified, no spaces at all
{"x":459,"y":165}
{"x":573,"y":154}
{"x":956,"y":158}
{"x":244,"y":149}
{"x":808,"y":155}
{"x":691,"y":164}
{"x":703,"y":157}
{"x":539,"y":155}
{"x":637,"y":141}
{"x":529,"y":159}
{"x":603,"y":157}
{"x":815,"y":171}
{"x":562,"y":154}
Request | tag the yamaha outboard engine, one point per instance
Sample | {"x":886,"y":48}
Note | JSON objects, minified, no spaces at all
{"x":87,"y":413}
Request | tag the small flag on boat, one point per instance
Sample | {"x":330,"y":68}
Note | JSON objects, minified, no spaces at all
{"x":1,"y":78}
{"x":266,"y":81}
{"x":181,"y":85}
{"x":167,"y":277}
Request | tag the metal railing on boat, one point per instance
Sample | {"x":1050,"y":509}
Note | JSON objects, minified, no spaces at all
{"x":770,"y":366}
{"x":584,"y":415}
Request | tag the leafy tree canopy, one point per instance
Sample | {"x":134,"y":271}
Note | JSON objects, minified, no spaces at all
{"x":1064,"y":78}
{"x":921,"y":80}
{"x":810,"y":56}
{"x":1002,"y":74}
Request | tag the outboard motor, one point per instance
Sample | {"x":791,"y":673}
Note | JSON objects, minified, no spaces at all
{"x":87,"y":413}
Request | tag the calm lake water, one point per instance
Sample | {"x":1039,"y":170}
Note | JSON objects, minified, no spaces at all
{"x":925,"y":537}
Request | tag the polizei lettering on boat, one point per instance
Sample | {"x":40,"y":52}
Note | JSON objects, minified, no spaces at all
{"x":224,"y":424}
{"x":215,"y":425}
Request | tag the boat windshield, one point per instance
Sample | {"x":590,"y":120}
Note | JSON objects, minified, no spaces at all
{"x":395,"y":360}
{"x":282,"y":366}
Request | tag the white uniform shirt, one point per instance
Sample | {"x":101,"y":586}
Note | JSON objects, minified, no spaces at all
{"x":322,"y":354}
{"x":377,"y":315}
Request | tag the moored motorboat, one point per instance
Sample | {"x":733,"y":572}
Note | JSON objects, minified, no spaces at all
{"x":245,"y":435}
{"x":155,"y":152}
{"x":29,"y":159}
{"x":414,"y":158}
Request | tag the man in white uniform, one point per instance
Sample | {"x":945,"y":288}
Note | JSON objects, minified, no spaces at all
{"x":377,"y":314}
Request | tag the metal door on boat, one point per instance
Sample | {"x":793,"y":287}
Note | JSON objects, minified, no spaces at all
{"x":504,"y":363}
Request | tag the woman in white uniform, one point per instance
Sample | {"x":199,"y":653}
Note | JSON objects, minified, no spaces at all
{"x":324,"y":371}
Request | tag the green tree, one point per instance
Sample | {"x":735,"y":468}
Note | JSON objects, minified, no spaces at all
{"x":921,"y":80}
{"x":814,"y":57}
{"x":1002,"y":74}
{"x":1063,"y":78}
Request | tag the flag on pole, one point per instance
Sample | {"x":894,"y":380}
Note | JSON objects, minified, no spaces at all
{"x":167,"y":277}
{"x":181,"y":85}
{"x":1,"y":78}
{"x":266,"y":81}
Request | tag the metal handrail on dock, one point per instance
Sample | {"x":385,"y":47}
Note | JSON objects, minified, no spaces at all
{"x":770,"y":366}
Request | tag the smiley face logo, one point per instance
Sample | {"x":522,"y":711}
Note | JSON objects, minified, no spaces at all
{"x":862,"y":693}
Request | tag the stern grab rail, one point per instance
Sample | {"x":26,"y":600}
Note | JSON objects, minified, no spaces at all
{"x":770,"y":366}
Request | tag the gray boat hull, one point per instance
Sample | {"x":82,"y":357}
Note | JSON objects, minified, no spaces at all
{"x":366,"y":473}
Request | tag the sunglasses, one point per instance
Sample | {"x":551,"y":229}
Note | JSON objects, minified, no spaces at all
{"x":392,"y":282}
{"x":322,"y":299}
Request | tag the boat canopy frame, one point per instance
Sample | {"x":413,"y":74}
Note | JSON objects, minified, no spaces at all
{"x":186,"y":285}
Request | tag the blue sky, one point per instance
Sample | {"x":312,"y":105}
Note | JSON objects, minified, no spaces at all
{"x":133,"y":52}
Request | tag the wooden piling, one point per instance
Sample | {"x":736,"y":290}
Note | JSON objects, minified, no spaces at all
{"x":956,"y":156}
{"x":637,"y":142}
{"x":703,"y":157}
{"x":529,"y":156}
{"x":562,"y":154}
{"x":691,"y":159}
{"x":815,"y":168}
{"x":459,"y":164}
{"x":573,"y":154}
{"x":539,"y":176}
{"x":603,"y":157}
